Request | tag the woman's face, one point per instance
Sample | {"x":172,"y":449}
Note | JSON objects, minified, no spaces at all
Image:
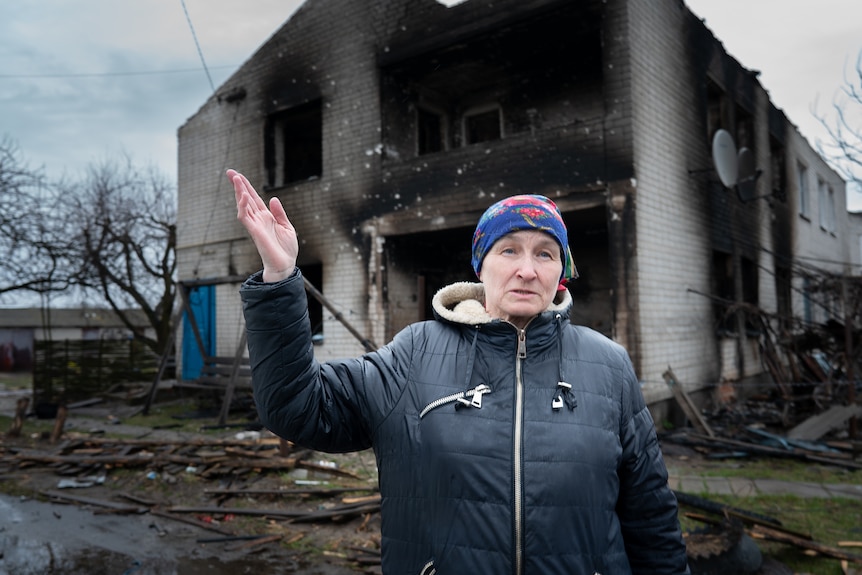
{"x":521,"y":273}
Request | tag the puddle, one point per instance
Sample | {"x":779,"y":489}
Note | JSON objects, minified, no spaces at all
{"x":39,"y":538}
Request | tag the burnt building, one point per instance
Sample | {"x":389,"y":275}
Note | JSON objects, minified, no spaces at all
{"x":386,"y":128}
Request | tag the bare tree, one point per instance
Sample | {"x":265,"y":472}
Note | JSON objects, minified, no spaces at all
{"x":121,"y":227}
{"x":845,"y":129}
{"x":108,"y":239}
{"x":32,"y":260}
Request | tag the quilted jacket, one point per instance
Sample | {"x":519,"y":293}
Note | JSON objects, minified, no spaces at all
{"x":499,"y":450}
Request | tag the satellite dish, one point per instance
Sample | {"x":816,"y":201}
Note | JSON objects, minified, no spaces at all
{"x":725,"y":158}
{"x":747,"y":173}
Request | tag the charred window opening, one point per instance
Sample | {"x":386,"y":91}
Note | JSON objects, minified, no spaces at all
{"x":483,"y":126}
{"x":430,"y":131}
{"x":778,"y":167}
{"x":802,"y":185}
{"x":722,"y":269}
{"x":744,"y":130}
{"x":725,"y":290}
{"x":293,"y":147}
{"x":716,"y":109}
{"x":314,"y":274}
{"x":784,"y":298}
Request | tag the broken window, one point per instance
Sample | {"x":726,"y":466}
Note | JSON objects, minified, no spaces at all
{"x":716,"y":109}
{"x":744,"y":137}
{"x":807,"y":302}
{"x":725,"y":290}
{"x":430,"y":131}
{"x":293,"y":150}
{"x":784,"y":298}
{"x":483,"y":126}
{"x":802,"y":185}
{"x":779,"y":177}
{"x":826,"y":205}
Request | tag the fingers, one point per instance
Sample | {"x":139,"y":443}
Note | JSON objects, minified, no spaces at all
{"x":277,"y":209}
{"x":244,"y":192}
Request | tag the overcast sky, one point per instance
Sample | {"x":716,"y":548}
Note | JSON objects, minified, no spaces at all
{"x":82,"y":80}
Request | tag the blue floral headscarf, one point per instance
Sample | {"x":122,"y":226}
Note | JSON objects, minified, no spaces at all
{"x":525,"y":212}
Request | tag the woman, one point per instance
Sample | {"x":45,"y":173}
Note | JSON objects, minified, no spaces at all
{"x":507,"y":440}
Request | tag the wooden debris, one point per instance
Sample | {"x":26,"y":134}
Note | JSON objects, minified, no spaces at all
{"x":59,"y":423}
{"x":763,"y":532}
{"x":695,"y":439}
{"x":189,"y":521}
{"x":691,"y":411}
{"x":293,"y":491}
{"x":819,"y":425}
{"x":725,"y":510}
{"x":113,"y":505}
{"x":256,"y":542}
{"x":340,"y":513}
{"x":282,"y":513}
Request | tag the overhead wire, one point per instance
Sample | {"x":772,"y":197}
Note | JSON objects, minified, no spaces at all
{"x":197,"y":45}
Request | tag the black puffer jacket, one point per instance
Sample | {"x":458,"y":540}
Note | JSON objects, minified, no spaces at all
{"x":486,"y":463}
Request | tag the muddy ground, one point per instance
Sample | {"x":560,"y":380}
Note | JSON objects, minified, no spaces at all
{"x":54,"y":519}
{"x":42,"y":534}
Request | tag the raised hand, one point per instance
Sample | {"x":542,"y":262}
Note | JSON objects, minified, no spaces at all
{"x":270,"y":230}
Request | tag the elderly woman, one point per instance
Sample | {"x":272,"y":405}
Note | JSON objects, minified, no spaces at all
{"x":507,"y":440}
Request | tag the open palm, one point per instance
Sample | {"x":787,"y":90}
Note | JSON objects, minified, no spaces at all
{"x":270,"y":229}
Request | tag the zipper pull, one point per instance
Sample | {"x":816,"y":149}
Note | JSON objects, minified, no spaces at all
{"x":522,"y":344}
{"x":472,"y":397}
{"x":477,"y":395}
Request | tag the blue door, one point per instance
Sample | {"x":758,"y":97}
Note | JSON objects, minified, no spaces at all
{"x":202,"y":304}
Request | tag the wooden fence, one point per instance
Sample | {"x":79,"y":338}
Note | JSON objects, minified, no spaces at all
{"x":74,"y":370}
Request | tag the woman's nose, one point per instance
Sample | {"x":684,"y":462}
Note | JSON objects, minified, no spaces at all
{"x":526,"y":268}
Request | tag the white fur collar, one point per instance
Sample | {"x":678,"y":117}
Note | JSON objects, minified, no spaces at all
{"x":464,"y":302}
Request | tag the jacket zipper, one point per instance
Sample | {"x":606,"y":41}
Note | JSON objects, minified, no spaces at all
{"x":518,"y":447}
{"x":470,"y":397}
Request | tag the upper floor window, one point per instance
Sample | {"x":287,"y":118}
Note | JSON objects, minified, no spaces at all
{"x":802,"y":185}
{"x":430,"y":131}
{"x":716,"y":109}
{"x":826,"y":204}
{"x":293,"y":146}
{"x":778,"y":170}
{"x":483,"y":125}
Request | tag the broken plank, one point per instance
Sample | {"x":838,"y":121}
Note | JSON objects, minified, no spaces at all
{"x":762,"y":532}
{"x":686,"y":404}
{"x":237,"y":511}
{"x":121,"y":507}
{"x":190,"y":521}
{"x":819,"y":425}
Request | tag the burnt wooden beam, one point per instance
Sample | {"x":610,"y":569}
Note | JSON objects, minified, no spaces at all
{"x":686,"y":404}
{"x":763,"y":532}
{"x":283,"y":513}
{"x":189,"y":521}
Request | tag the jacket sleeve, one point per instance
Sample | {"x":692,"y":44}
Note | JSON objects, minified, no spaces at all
{"x":647,"y":507}
{"x":331,"y":407}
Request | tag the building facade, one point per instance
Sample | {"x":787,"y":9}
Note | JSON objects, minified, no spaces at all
{"x":387,"y":127}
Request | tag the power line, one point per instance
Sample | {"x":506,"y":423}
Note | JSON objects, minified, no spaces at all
{"x":197,"y":44}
